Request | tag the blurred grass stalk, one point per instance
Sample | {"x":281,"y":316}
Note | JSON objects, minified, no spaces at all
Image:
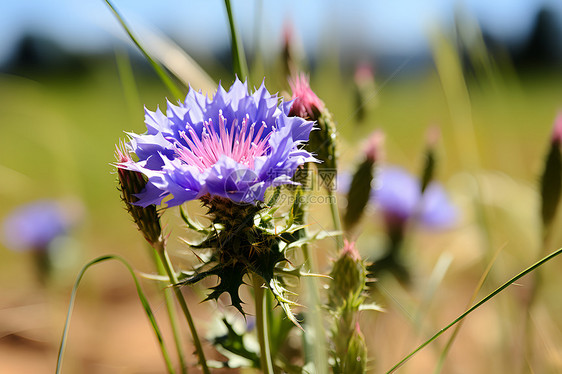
{"x":157,"y":68}
{"x":158,"y":49}
{"x":550,"y":193}
{"x":450,"y":71}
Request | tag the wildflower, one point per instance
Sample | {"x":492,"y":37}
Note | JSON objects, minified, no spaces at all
{"x":225,"y":151}
{"x":34,"y":226}
{"x":398,"y":197}
{"x":233,"y":146}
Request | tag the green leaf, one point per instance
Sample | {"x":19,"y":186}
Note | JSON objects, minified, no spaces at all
{"x":233,"y":343}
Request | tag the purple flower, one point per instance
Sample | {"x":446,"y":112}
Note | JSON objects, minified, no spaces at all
{"x":398,"y":196}
{"x":35,"y":225}
{"x":232,"y":146}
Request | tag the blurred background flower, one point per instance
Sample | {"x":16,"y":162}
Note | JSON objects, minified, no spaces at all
{"x":397,"y":196}
{"x":37,"y":227}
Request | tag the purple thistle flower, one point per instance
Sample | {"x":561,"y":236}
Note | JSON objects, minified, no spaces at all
{"x":232,"y":146}
{"x":398,"y":196}
{"x":35,"y":225}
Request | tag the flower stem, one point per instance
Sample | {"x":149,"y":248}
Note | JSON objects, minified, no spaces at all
{"x":314,"y":312}
{"x":262,"y":324}
{"x":168,"y":299}
{"x":179,"y":296}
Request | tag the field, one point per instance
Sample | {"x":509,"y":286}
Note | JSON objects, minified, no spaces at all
{"x":57,"y":138}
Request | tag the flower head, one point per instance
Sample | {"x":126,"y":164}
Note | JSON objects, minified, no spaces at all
{"x":398,"y":196}
{"x":35,"y":225}
{"x":232,"y":146}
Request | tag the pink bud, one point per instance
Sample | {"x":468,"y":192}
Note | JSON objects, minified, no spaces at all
{"x":357,"y":328}
{"x":432,"y":136}
{"x":363,"y":73}
{"x":349,"y":249}
{"x":306,"y":104}
{"x":557,"y":129}
{"x":288,"y":31}
{"x":121,"y":153}
{"x":374,"y":147}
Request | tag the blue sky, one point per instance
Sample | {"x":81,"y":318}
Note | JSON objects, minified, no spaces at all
{"x":399,"y":26}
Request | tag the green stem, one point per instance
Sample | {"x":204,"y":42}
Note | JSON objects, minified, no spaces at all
{"x":181,"y":300}
{"x":262,"y":325}
{"x":336,"y":217}
{"x":314,"y":312}
{"x":142,"y":299}
{"x":238,"y":56}
{"x":476,"y":306}
{"x":168,"y":299}
{"x":157,"y":68}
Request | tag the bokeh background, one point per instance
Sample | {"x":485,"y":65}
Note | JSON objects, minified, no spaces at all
{"x":488,"y":74}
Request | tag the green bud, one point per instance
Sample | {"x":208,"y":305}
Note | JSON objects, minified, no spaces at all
{"x":428,"y":170}
{"x":365,"y":91}
{"x":360,"y":189}
{"x":551,"y":180}
{"x":307,"y":105}
{"x":132,"y":183}
{"x":355,"y":360}
{"x":348,"y":278}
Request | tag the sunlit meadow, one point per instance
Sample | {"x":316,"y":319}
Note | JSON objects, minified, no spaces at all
{"x":333,"y":220}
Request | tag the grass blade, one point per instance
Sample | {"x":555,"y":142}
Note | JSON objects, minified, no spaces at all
{"x":238,"y":56}
{"x":451,"y":340}
{"x":142,"y":299}
{"x":157,"y":68}
{"x":476,"y":306}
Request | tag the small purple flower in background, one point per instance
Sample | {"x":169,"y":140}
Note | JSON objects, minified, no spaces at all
{"x":35,"y":225}
{"x":232,"y":146}
{"x":398,"y":196}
